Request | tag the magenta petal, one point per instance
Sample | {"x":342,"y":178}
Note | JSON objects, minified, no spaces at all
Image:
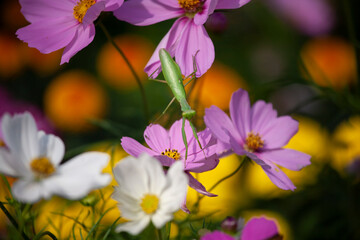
{"x":259,"y":229}
{"x":93,"y":13}
{"x":175,"y":134}
{"x":279,"y":132}
{"x":194,"y":42}
{"x":38,"y":10}
{"x":184,"y":207}
{"x":83,"y":37}
{"x":220,"y":125}
{"x":208,"y":8}
{"x":165,"y":160}
{"x":198,"y":163}
{"x":195,"y":184}
{"x":278,"y":177}
{"x":240,"y":112}
{"x":217,"y":235}
{"x":147,"y":12}
{"x":157,"y":138}
{"x":169,"y":41}
{"x":49,"y":35}
{"x":112,"y":5}
{"x":262,"y":116}
{"x":134,"y":148}
{"x":287,"y":158}
{"x":231,"y":4}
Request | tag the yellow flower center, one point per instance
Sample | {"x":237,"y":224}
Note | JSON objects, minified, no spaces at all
{"x":81,"y":8}
{"x":149,"y":203}
{"x":191,"y":6}
{"x":253,"y":142}
{"x":42,"y":167}
{"x":171,"y":153}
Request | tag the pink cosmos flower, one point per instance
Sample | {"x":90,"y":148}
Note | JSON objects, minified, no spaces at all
{"x":57,"y":24}
{"x":187,"y":37}
{"x":168,"y":147}
{"x":260,"y":229}
{"x":311,"y":17}
{"x":260,"y":134}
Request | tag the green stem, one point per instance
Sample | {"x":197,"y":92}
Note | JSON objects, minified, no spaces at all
{"x":12,"y":220}
{"x":52,"y":236}
{"x":138,"y":81}
{"x":158,"y":234}
{"x":224,"y":178}
{"x":230,"y":175}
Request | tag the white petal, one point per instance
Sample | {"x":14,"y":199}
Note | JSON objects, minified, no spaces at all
{"x":25,"y":190}
{"x":129,"y":207}
{"x":131,"y":177}
{"x":154,"y":169}
{"x":133,"y":227}
{"x":175,"y":193}
{"x":160,"y":219}
{"x":7,"y":166}
{"x":52,"y":147}
{"x":20,"y":135}
{"x":80,"y":175}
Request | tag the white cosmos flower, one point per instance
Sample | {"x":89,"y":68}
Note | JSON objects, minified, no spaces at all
{"x":146,"y":194}
{"x":34,"y":157}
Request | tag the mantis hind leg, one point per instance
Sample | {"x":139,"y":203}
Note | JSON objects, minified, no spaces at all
{"x":184,"y":140}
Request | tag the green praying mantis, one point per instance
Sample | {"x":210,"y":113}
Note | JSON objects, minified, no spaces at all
{"x":174,"y":79}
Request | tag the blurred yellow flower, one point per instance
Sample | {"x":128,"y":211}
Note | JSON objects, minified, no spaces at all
{"x":215,"y":87}
{"x":311,"y":139}
{"x":330,"y":62}
{"x":346,"y":143}
{"x":229,"y":193}
{"x":72,"y":99}
{"x":11,"y":61}
{"x":112,"y":66}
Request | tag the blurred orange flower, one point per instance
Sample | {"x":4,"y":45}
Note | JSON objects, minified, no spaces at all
{"x":72,"y":99}
{"x":216,"y":86}
{"x":43,"y":64}
{"x":330,"y":62}
{"x":11,"y":61}
{"x":112,"y":66}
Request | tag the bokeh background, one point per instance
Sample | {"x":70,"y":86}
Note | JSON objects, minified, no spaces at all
{"x":301,"y":55}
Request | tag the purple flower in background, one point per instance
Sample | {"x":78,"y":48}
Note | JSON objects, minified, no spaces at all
{"x":217,"y":235}
{"x":187,"y":37}
{"x":311,"y":17}
{"x":13,"y":106}
{"x":260,"y":229}
{"x":57,"y":24}
{"x":260,"y":134}
{"x":168,"y":146}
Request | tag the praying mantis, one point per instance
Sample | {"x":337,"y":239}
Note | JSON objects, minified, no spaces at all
{"x":174,"y":79}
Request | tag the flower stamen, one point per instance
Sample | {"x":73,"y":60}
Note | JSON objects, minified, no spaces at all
{"x":253,"y":142}
{"x":149,"y":203}
{"x":191,"y":6}
{"x":2,"y":143}
{"x":42,"y":167}
{"x":81,"y":8}
{"x":171,"y":153}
